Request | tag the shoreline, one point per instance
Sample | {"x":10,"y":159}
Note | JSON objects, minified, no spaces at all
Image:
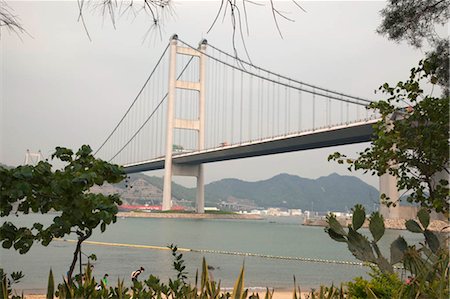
{"x":395,"y":224}
{"x":189,"y":216}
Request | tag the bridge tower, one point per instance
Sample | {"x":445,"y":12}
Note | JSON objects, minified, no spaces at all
{"x":33,"y":158}
{"x":173,"y":123}
{"x":388,"y":182}
{"x":388,"y":186}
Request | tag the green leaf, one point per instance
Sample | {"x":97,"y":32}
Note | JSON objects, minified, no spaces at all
{"x":370,"y":293}
{"x":424,"y":217}
{"x":376,"y":226}
{"x":50,"y":285}
{"x":238,"y":289}
{"x":413,"y":226}
{"x":360,"y":247}
{"x":398,"y":248}
{"x":432,"y":241}
{"x":334,"y":225}
{"x":359,"y":216}
{"x":7,"y":244}
{"x":335,"y":236}
{"x":103,"y":227}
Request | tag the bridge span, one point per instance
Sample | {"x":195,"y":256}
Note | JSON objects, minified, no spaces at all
{"x":202,"y":105}
{"x":326,"y":137}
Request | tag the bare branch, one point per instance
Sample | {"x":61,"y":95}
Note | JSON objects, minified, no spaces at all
{"x":242,"y":37}
{"x":80,"y":17}
{"x":217,"y":16}
{"x":9,"y":20}
{"x":275,"y":18}
{"x":298,"y":5}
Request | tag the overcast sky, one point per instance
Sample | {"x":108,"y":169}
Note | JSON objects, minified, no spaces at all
{"x":58,"y":88}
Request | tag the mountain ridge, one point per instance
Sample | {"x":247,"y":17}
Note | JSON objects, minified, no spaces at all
{"x":333,"y":192}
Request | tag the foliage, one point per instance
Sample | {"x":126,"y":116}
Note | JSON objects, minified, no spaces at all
{"x":178,"y":263}
{"x":331,"y":292}
{"x":415,"y":21}
{"x":427,"y":262}
{"x":39,"y":189}
{"x":412,"y":143}
{"x":358,"y":244}
{"x":368,"y":251}
{"x":50,"y":285}
{"x":382,"y":285}
{"x":7,"y":282}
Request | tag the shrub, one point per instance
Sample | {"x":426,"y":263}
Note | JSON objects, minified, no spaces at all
{"x":383,"y":285}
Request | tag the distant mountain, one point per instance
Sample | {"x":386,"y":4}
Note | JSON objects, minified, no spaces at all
{"x":329,"y":193}
{"x":5,"y":166}
{"x":333,"y":192}
{"x":178,"y":191}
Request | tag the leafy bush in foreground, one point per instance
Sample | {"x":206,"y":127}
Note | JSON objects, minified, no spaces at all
{"x":382,"y":285}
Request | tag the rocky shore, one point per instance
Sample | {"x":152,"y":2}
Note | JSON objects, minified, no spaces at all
{"x":435,"y":225}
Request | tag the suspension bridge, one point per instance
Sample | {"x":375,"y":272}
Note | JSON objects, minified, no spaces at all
{"x":201,"y":105}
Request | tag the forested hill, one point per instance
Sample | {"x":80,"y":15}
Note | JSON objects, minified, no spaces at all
{"x":5,"y":166}
{"x":333,"y":192}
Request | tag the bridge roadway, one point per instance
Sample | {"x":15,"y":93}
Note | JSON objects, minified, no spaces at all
{"x":319,"y":138}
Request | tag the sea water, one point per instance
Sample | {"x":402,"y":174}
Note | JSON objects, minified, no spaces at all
{"x":278,"y":236}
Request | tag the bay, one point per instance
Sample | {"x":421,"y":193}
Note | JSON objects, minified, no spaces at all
{"x":277,"y":236}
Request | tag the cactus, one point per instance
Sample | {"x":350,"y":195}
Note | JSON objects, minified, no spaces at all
{"x":358,"y":244}
{"x":417,"y":261}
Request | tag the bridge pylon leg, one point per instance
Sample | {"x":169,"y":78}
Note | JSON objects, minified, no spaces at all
{"x":200,"y":207}
{"x":177,"y":122}
{"x":388,"y":186}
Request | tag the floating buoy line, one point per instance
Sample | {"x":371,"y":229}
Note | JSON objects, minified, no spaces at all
{"x":153,"y":247}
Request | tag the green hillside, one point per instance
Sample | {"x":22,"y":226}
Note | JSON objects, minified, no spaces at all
{"x":178,"y":191}
{"x":333,"y":192}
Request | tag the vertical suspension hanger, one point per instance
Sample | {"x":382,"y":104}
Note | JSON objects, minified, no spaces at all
{"x":286,"y":109}
{"x":242,"y":107}
{"x":314,"y":109}
{"x":300,"y":108}
{"x":250,"y":96}
{"x":232,"y":114}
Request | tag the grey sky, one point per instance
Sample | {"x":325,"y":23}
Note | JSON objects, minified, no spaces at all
{"x":59,"y":89}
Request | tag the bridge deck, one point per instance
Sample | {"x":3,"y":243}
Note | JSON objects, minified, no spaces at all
{"x":320,"y":138}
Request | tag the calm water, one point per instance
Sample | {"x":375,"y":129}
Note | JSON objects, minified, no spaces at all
{"x":283,"y":236}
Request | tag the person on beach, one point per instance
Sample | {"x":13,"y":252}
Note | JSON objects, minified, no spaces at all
{"x":103,"y":283}
{"x":135,"y":274}
{"x":105,"y":279}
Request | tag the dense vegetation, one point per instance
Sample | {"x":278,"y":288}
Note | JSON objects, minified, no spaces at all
{"x":41,"y":189}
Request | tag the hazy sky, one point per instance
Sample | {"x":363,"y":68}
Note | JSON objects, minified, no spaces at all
{"x":59,"y":89}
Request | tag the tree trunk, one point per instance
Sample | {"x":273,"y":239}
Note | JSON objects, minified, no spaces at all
{"x":81,"y":239}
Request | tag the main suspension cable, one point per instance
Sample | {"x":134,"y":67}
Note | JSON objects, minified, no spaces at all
{"x":134,"y":101}
{"x":150,"y":116}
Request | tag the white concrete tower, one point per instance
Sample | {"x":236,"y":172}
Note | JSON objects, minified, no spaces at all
{"x":388,"y":182}
{"x":173,"y":123}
